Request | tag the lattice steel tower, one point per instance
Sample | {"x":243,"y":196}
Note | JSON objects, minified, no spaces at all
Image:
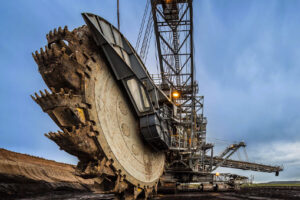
{"x":173,"y":26}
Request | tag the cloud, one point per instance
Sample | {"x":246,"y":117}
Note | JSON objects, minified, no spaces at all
{"x":277,"y":153}
{"x":249,"y":72}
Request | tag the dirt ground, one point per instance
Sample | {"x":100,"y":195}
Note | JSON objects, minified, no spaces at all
{"x":253,"y":194}
{"x":26,"y":177}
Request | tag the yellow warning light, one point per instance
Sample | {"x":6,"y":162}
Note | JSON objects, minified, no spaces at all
{"x":175,"y":94}
{"x":217,"y":174}
{"x":168,"y":1}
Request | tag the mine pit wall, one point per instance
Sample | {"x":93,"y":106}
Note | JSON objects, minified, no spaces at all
{"x":23,"y":175}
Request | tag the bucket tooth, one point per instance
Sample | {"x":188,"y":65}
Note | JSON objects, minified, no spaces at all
{"x":34,"y":57}
{"x":137,"y":192}
{"x":46,"y":49}
{"x":45,"y":55}
{"x":89,"y":123}
{"x":91,"y":134}
{"x":37,"y":54}
{"x":55,"y":138}
{"x":120,"y":184}
{"x":47,"y":135}
{"x":37,"y":96}
{"x":37,"y":58}
{"x":52,"y":135}
{"x":50,"y":34}
{"x":54,"y":32}
{"x":148,"y":191}
{"x":33,"y":98}
{"x":42,"y":93}
{"x":66,"y":29}
{"x":108,"y":162}
{"x":47,"y":93}
{"x":66,"y":132}
{"x":60,"y":134}
{"x":52,"y":89}
{"x":42,"y":51}
{"x":60,"y":30}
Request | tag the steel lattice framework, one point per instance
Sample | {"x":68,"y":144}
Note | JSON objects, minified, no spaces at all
{"x":173,"y":25}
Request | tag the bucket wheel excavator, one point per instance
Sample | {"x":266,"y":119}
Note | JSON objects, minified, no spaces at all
{"x":125,"y":129}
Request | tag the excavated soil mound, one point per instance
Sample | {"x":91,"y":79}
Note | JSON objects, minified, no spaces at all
{"x":23,"y":175}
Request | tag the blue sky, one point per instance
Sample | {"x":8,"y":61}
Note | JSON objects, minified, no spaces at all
{"x":247,"y":56}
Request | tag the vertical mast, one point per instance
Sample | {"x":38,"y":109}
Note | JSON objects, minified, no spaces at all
{"x":173,"y":25}
{"x":118,"y":14}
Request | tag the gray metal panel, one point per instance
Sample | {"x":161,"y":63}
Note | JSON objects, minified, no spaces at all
{"x":153,"y":128}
